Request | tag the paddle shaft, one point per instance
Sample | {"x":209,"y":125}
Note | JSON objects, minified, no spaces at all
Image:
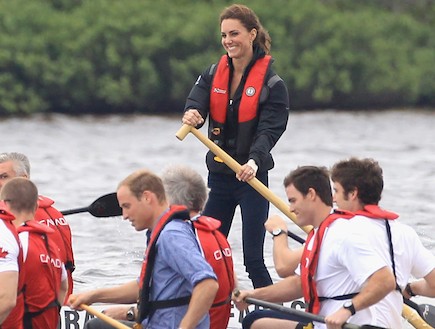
{"x":308,"y":317}
{"x":426,"y":311}
{"x":103,"y":317}
{"x":295,"y":237}
{"x":235,"y":166}
{"x":414,"y":318}
{"x":74,"y":211}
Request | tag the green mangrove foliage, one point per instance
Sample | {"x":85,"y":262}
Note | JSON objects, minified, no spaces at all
{"x":108,"y":56}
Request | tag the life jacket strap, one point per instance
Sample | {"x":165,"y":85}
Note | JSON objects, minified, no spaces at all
{"x":341,"y":297}
{"x":180,"y":301}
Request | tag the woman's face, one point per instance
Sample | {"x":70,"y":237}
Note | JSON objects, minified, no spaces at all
{"x":236,"y":39}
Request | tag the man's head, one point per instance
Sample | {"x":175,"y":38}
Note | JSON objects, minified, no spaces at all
{"x":142,"y":197}
{"x":308,"y":189}
{"x":184,"y":186}
{"x":356,"y":183}
{"x":20,"y":196}
{"x":13,"y":165}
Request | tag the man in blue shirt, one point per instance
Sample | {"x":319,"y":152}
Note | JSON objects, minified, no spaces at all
{"x":176,"y":286}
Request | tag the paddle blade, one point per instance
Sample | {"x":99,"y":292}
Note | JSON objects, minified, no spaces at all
{"x":428,"y":313}
{"x":106,"y":206}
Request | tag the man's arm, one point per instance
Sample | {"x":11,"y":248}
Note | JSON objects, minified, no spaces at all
{"x":423,"y":287}
{"x":202,"y":298}
{"x":376,"y":287}
{"x":8,"y":293}
{"x":285,"y":290}
{"x":126,"y":293}
{"x":285,"y":259}
{"x":62,"y":292}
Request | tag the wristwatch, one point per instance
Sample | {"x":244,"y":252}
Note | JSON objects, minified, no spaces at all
{"x":409,"y":290}
{"x":349,"y":306}
{"x":130,"y":314}
{"x":277,"y":231}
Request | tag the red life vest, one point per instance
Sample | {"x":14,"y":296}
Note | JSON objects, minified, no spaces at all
{"x":309,"y":268}
{"x":144,"y":305}
{"x":247,"y":109}
{"x":41,"y":292}
{"x":218,"y":254}
{"x":220,"y":94}
{"x":48,"y":215}
{"x":15,"y":317}
{"x":375,"y":212}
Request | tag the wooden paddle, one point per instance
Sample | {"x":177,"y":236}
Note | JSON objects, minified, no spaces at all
{"x":235,"y":166}
{"x":408,"y":313}
{"x":104,"y":317}
{"x":307,"y":317}
{"x":105,"y":206}
{"x":425,"y":311}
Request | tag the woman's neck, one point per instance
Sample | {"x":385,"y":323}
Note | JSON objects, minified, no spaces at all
{"x":240,"y":64}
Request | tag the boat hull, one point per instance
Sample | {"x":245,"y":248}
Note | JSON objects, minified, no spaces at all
{"x":72,"y":319}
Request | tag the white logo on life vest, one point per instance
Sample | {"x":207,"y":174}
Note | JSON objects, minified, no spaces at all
{"x":250,"y":91}
{"x":46,"y":259}
{"x":218,"y":253}
{"x":54,"y":222}
{"x":219,"y":91}
{"x":307,"y":262}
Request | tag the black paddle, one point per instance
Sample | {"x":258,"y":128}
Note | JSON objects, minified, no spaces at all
{"x":105,"y":206}
{"x":295,"y":237}
{"x":308,"y":317}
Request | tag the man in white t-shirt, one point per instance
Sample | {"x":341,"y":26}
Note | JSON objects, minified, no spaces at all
{"x":349,"y":277}
{"x":9,"y":253}
{"x":358,"y":185}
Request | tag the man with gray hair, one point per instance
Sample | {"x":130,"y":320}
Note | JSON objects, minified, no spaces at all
{"x":184,"y":186}
{"x":16,"y":164}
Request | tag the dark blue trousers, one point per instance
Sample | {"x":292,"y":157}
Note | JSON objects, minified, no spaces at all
{"x":226,"y":193}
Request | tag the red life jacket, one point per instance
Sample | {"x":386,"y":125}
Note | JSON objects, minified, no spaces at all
{"x":309,"y":268}
{"x":375,"y":212}
{"x":220,"y":93}
{"x":48,"y":215}
{"x":144,"y":305}
{"x":41,"y":292}
{"x":218,"y":254}
{"x":248,"y":108}
{"x":15,"y":317}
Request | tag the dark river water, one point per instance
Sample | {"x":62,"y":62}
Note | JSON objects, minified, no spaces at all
{"x":77,"y":159}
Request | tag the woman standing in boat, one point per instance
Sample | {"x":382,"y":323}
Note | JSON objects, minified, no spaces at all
{"x":248,"y":106}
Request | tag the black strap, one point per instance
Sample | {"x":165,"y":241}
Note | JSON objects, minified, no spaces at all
{"x":225,"y":301}
{"x":69,"y":266}
{"x":28,"y":316}
{"x":180,"y":301}
{"x":341,"y":297}
{"x":390,"y":241}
